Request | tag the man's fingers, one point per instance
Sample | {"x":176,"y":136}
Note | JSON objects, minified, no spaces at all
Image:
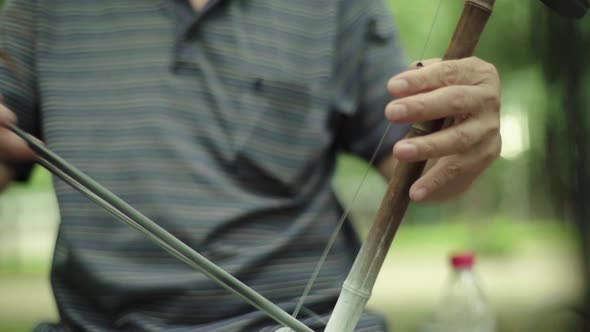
{"x":452,"y":140}
{"x":466,"y":89}
{"x":13,"y":148}
{"x":462,"y":170}
{"x":6,"y":116}
{"x":469,"y":71}
{"x":434,"y":184}
{"x":441,"y":103}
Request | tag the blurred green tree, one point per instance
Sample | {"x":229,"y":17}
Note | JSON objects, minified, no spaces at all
{"x":566,"y":60}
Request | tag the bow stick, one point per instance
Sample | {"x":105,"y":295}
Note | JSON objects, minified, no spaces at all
{"x":360,"y":281}
{"x":127,"y":214}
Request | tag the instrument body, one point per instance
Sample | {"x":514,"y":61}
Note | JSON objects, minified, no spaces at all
{"x":359,"y":284}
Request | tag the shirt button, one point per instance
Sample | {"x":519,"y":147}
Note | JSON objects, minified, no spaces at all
{"x":258,"y":85}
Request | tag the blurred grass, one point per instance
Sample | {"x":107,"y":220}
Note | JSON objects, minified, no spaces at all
{"x":13,"y":267}
{"x":498,"y":236}
{"x":15,"y":327}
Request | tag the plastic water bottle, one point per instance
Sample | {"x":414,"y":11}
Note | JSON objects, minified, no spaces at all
{"x":464,"y":307}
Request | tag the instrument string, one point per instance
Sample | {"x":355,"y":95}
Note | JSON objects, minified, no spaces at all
{"x":339,"y":225}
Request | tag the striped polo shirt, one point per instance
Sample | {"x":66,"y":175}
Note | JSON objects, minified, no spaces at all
{"x":222,"y":126}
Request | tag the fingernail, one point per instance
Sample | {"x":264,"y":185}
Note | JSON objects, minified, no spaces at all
{"x":397,"y":112}
{"x":406,"y":150}
{"x":419,"y":194}
{"x":397,"y":86}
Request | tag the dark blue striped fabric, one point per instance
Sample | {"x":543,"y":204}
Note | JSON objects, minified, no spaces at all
{"x":222,"y":126}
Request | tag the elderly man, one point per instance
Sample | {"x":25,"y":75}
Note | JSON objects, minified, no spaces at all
{"x":221,"y":121}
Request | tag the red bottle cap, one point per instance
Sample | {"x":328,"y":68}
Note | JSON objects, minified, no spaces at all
{"x":463,"y":260}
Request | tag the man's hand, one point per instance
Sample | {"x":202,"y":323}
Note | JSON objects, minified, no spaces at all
{"x":12,"y":148}
{"x":468,"y":92}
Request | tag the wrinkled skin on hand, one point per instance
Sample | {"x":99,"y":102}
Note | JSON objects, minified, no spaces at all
{"x":468,"y":91}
